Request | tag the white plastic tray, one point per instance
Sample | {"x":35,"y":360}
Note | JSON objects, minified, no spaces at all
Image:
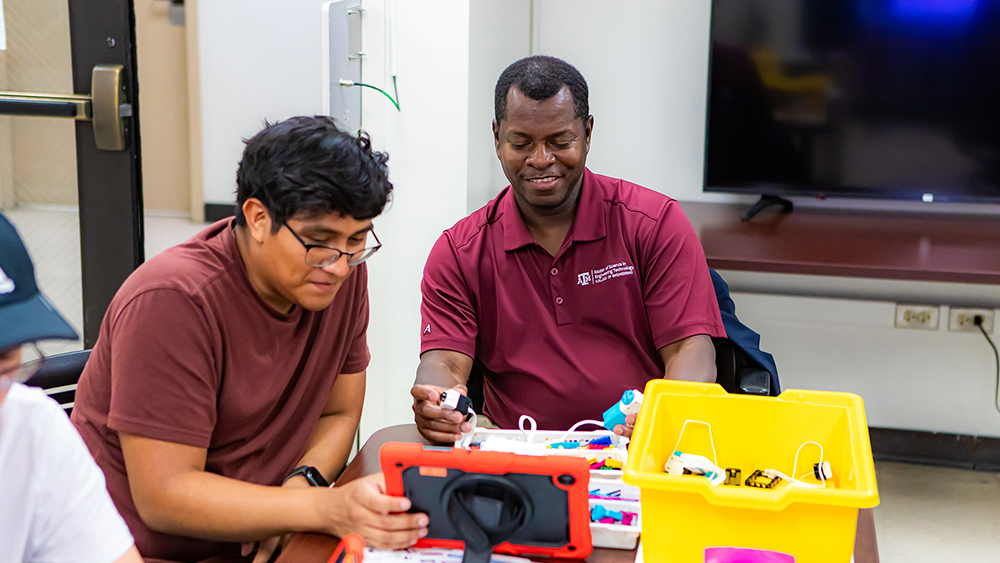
{"x":615,"y":536}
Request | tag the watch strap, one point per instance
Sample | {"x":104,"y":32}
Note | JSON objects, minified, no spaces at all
{"x":312,"y":475}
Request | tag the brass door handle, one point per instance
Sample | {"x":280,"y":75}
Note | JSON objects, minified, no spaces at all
{"x":105,"y":106}
{"x":107,"y":92}
{"x":45,"y":105}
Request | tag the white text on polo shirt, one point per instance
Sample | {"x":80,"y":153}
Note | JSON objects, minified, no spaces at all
{"x":606,"y":273}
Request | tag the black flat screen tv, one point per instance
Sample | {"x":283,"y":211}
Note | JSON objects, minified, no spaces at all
{"x":888,"y":99}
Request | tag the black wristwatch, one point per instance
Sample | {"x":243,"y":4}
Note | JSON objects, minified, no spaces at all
{"x":311,"y":474}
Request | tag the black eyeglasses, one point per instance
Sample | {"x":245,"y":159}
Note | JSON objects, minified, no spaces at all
{"x":319,"y":256}
{"x":23,"y":372}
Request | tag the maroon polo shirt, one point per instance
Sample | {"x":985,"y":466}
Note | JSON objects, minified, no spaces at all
{"x":561,"y":338}
{"x":188,"y":353}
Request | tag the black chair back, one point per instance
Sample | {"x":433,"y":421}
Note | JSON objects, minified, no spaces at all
{"x":59,"y":375}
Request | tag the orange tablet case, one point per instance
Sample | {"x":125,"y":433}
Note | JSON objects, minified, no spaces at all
{"x":559,"y":521}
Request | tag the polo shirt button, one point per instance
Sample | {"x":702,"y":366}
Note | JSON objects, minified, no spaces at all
{"x":555,"y":271}
{"x":559,"y":300}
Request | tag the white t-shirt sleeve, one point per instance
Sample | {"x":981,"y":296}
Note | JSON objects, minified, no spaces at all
{"x":75,"y":520}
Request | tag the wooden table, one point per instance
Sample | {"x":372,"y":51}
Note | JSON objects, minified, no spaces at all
{"x":317,"y":548}
{"x":841,"y":242}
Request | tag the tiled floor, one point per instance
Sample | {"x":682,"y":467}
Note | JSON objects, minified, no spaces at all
{"x":52,"y":236}
{"x":164,"y":232}
{"x":935,"y":514}
{"x":927,"y":514}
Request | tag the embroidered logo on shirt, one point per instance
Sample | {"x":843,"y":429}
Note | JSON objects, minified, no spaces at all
{"x":606,"y":273}
{"x":6,"y":284}
{"x":427,"y":329}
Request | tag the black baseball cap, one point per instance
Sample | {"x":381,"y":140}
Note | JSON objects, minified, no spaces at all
{"x":25,"y":314}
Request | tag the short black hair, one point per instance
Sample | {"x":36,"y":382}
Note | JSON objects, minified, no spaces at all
{"x":309,"y":165}
{"x":540,"y":77}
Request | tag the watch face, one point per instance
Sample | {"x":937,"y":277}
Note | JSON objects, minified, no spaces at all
{"x":315,"y":478}
{"x":312,"y":475}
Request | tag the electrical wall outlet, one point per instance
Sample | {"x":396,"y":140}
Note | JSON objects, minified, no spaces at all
{"x":962,"y":319}
{"x":923,"y":317}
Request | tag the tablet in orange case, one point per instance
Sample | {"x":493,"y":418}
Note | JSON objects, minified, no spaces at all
{"x":557,"y":522}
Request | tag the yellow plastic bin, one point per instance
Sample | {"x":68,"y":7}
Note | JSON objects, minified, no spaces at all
{"x":684,"y":514}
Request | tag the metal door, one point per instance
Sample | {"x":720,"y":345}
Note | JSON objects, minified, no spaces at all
{"x":69,"y":149}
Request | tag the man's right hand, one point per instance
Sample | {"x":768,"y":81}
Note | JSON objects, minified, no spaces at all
{"x":362,"y":507}
{"x":437,"y":424}
{"x":627,"y":428}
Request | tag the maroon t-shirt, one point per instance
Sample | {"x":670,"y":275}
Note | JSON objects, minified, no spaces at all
{"x":189,"y":353}
{"x":561,"y":338}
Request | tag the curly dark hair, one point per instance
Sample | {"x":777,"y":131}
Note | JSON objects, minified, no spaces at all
{"x":540,"y":77}
{"x":309,"y":165}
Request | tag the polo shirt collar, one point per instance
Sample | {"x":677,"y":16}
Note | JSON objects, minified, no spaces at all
{"x":588,"y":225}
{"x":515,"y":232}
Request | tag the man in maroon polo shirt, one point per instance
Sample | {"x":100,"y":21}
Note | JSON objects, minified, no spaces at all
{"x":567,"y":289}
{"x":227,"y":381}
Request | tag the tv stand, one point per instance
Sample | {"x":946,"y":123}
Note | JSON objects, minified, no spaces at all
{"x":764,"y":202}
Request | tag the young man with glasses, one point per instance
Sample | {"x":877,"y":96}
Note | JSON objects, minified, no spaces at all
{"x":226,"y":385}
{"x":53,"y":503}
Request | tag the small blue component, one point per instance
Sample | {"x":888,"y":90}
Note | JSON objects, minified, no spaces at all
{"x":614,"y":416}
{"x":599,"y":512}
{"x":564,"y":445}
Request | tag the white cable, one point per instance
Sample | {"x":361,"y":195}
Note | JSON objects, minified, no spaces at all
{"x":715,"y":458}
{"x":577,"y":425}
{"x":528,"y":437}
{"x":466,"y":440}
{"x":772,"y":473}
{"x":795,"y":464}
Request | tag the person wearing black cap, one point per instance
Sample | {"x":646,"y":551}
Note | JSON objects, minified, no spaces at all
{"x":53,"y":502}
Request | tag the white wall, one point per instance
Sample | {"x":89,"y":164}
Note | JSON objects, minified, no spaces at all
{"x":259,"y":60}
{"x":262,"y":60}
{"x":936,"y":381}
{"x":646,"y":63}
{"x":428,"y":163}
{"x":500,"y":32}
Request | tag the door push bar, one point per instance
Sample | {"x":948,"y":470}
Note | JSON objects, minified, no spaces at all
{"x":105,"y":106}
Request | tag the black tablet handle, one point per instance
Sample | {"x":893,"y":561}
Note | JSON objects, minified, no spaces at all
{"x":486,"y":510}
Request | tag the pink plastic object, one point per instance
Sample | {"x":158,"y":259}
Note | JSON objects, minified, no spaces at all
{"x":745,"y":555}
{"x":599,"y":497}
